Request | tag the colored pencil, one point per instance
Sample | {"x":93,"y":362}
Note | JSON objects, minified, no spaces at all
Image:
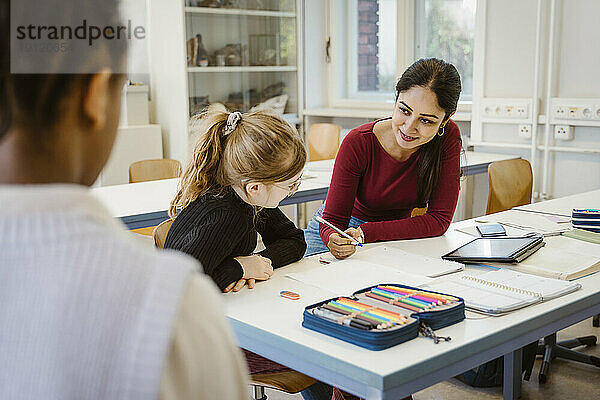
{"x":421,"y":297}
{"x":377,"y":311}
{"x":395,"y":303}
{"x":333,"y":316}
{"x":354,"y":309}
{"x":433,"y":295}
{"x":368,"y":313}
{"x":345,"y":312}
{"x":338,"y":230}
{"x":413,"y":302}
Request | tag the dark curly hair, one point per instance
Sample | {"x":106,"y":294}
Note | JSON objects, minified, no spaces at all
{"x":32,"y":101}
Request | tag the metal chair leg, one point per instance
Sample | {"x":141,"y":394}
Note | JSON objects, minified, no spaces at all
{"x":551,"y":349}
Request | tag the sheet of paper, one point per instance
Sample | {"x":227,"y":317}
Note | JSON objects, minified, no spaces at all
{"x":345,"y":278}
{"x":529,"y":221}
{"x":401,"y":261}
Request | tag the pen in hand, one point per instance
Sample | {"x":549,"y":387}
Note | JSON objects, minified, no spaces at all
{"x":341,"y":232}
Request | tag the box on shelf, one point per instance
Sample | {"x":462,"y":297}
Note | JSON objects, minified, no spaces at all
{"x":134,"y":105}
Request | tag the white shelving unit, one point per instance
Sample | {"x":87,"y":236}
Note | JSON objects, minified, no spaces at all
{"x":175,"y":84}
{"x":249,"y":68}
{"x":233,"y":11}
{"x":246,"y":82}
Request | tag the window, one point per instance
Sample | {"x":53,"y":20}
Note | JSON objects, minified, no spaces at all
{"x":375,"y":40}
{"x":446,"y":29}
{"x":373,"y":58}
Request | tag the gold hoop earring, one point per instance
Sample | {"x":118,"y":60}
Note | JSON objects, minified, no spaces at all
{"x":442,"y":131}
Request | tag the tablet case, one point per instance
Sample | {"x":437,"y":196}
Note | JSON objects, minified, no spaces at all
{"x":383,"y":339}
{"x":534,"y":244}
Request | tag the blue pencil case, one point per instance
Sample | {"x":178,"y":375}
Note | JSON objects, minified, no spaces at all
{"x":382,"y":316}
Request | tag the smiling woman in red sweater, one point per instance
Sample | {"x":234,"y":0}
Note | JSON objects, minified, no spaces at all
{"x":385,"y":169}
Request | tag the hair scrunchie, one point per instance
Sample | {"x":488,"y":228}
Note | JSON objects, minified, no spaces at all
{"x":232,"y":122}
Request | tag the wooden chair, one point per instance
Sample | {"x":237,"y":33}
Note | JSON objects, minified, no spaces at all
{"x":152,"y":170}
{"x":323,"y":141}
{"x":510,"y":182}
{"x":288,"y":382}
{"x":160,"y":233}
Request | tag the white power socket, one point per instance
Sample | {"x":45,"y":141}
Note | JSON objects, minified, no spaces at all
{"x":575,"y":111}
{"x":525,"y":131}
{"x":505,"y":110}
{"x":563,"y":132}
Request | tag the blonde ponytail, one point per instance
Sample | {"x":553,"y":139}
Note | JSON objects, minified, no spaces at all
{"x":258,"y":146}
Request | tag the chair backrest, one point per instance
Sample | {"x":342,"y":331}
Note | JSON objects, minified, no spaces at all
{"x":510,"y":182}
{"x":323,"y":141}
{"x":160,"y":233}
{"x":152,"y":170}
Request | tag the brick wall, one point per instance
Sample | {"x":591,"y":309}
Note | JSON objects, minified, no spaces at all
{"x":368,"y":76}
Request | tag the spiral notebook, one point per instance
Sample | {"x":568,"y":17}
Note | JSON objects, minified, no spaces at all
{"x":504,"y":290}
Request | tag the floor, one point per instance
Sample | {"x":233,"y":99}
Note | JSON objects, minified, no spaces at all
{"x":568,"y":380}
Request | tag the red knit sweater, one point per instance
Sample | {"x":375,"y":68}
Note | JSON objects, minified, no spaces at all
{"x":369,"y":184}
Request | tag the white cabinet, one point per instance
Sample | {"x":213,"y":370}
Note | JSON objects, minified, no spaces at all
{"x":252,"y":54}
{"x":241,"y":53}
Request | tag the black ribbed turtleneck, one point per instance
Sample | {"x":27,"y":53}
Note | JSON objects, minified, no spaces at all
{"x":216,"y":228}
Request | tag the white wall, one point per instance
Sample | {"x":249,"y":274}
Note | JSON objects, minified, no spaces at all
{"x":509,"y":72}
{"x":315,"y":64}
{"x":168,"y":76}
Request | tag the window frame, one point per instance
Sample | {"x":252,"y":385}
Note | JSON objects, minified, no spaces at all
{"x":343,"y":82}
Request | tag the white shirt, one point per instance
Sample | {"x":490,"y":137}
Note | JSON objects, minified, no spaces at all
{"x":86,"y":312}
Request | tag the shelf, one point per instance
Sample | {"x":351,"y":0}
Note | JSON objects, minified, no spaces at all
{"x":347,"y":113}
{"x":237,"y":11}
{"x":249,"y":68}
{"x":366,"y":113}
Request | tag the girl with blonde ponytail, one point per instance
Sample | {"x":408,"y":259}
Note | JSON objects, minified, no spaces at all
{"x":241,"y":167}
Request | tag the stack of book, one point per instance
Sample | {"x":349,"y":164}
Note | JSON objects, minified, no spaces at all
{"x":587,"y":219}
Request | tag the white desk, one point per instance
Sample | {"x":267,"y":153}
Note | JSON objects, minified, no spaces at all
{"x":144,"y":204}
{"x":565,"y":205}
{"x":270,"y":325}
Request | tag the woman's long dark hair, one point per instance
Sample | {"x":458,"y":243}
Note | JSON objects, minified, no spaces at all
{"x":443,"y":79}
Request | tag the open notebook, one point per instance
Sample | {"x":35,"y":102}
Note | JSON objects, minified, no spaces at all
{"x":561,"y":258}
{"x":501,"y":291}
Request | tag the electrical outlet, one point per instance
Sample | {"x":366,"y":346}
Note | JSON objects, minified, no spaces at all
{"x":560,"y":112}
{"x":575,"y":111}
{"x":586,"y":113}
{"x":563,"y":132}
{"x":572,"y":112}
{"x":507,"y":110}
{"x":525,"y":131}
